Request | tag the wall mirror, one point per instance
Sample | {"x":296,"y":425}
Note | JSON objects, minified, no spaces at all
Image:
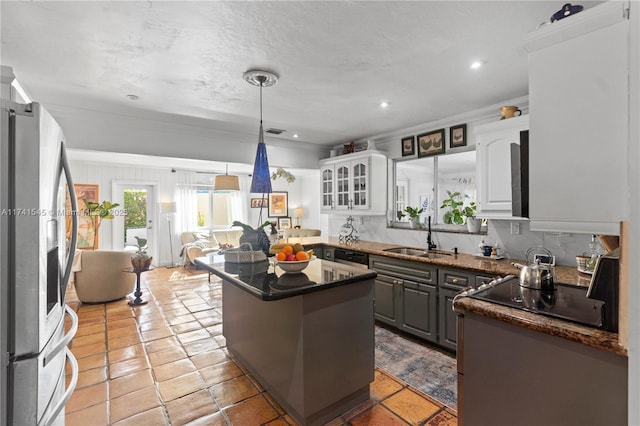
{"x":424,"y":182}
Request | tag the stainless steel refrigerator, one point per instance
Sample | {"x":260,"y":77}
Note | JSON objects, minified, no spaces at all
{"x":36,"y":252}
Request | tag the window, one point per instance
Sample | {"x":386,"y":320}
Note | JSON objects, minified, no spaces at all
{"x":216,"y":209}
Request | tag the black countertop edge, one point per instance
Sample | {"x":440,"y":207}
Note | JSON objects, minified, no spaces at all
{"x":279,"y":294}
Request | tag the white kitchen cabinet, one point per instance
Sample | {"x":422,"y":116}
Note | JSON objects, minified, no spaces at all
{"x":347,"y":183}
{"x":493,"y":166}
{"x":578,"y":108}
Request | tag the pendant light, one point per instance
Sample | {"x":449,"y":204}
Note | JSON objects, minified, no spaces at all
{"x":261,"y":178}
{"x":226,"y":182}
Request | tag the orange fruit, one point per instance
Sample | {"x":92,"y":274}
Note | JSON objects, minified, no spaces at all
{"x":302,"y":255}
{"x":280,"y":256}
{"x":287,"y":250}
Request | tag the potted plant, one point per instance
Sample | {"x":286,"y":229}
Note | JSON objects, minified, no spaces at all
{"x":414,"y":215}
{"x":98,"y":213}
{"x":454,"y":206}
{"x":256,"y":237}
{"x":141,"y":260}
{"x":469,"y":212}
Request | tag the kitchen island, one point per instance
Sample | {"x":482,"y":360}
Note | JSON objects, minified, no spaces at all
{"x":308,"y":337}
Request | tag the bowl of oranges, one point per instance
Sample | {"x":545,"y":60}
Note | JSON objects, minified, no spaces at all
{"x":292,"y":258}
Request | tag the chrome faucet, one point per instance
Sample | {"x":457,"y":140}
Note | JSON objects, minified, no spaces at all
{"x":430,"y":244}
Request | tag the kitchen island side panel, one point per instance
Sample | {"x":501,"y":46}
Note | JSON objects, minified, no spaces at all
{"x":516,"y":376}
{"x":314,"y":353}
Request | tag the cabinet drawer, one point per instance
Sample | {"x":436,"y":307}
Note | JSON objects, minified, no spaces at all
{"x":413,"y":271}
{"x":456,"y":278}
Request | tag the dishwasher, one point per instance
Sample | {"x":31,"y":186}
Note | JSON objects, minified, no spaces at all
{"x":351,"y":258}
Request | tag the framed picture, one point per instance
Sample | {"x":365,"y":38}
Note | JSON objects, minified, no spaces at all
{"x":458,"y":135}
{"x":87,"y":237}
{"x":278,"y":204}
{"x":284,"y":223}
{"x":431,"y":143}
{"x":408,"y":146}
{"x":257,"y":203}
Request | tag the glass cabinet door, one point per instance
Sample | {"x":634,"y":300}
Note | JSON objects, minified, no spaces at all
{"x":359,"y":185}
{"x":342,"y":186}
{"x":326,"y":189}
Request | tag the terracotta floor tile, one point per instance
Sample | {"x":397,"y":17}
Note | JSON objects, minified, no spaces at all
{"x":90,"y":321}
{"x":384,"y":385}
{"x":253,"y":411}
{"x":207,"y":359}
{"x":116,"y":333}
{"x":377,"y":415}
{"x":215,"y":419}
{"x":87,"y":307}
{"x":153,"y":417}
{"x":125,"y":353}
{"x":150,"y":317}
{"x":443,"y":418}
{"x":203,"y":345}
{"x":192,"y":336}
{"x":130,"y":383}
{"x":180,"y":386}
{"x":88,"y":350}
{"x":152,"y":325}
{"x":84,"y":314}
{"x":121,"y":342}
{"x":199,"y":308}
{"x":90,"y":339}
{"x":186,"y":327}
{"x":359,"y":409}
{"x":95,"y":328}
{"x":97,"y":413}
{"x":220,"y":340}
{"x":220,"y":372}
{"x":197,"y":405}
{"x":411,"y":406}
{"x":129,"y":366}
{"x":92,"y":361}
{"x":174,"y":353}
{"x":86,"y":397}
{"x":118,"y":323}
{"x":208,"y":322}
{"x":180,"y":319}
{"x":133,"y":403}
{"x":160,"y":333}
{"x":159,"y":345}
{"x":233,"y":391}
{"x":173,"y":369}
{"x":91,"y":377}
{"x":215,"y":330}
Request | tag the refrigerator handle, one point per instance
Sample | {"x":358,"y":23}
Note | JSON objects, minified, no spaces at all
{"x":67,"y":337}
{"x":52,"y":417}
{"x":64,"y":162}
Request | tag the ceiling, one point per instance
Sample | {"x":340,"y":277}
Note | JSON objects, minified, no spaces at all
{"x":337,"y":60}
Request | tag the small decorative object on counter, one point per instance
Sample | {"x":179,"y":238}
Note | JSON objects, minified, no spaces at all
{"x":257,"y":238}
{"x":509,"y":112}
{"x":348,"y":233}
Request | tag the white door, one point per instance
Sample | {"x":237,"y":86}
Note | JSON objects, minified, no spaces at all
{"x":138,"y":201}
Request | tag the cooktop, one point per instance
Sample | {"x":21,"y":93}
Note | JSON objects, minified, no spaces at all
{"x":567,"y":302}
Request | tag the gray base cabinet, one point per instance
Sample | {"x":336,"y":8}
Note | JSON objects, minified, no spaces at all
{"x":450,"y":283}
{"x":406,"y":296}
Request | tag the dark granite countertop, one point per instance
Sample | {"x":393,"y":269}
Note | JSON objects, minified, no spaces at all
{"x":594,"y":337}
{"x":267,"y":281}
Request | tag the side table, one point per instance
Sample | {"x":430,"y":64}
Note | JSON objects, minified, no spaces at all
{"x":138,"y":293}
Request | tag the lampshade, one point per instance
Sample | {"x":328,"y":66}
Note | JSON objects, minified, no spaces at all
{"x":226,"y":182}
{"x":168,"y":207}
{"x":298,"y":211}
{"x":261,"y":178}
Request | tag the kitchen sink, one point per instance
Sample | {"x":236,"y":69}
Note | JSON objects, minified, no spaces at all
{"x":417,"y":252}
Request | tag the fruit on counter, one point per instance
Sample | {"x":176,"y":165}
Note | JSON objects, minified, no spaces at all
{"x":286,"y":252}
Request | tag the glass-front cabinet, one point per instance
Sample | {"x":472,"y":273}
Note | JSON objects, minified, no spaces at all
{"x":347,"y":182}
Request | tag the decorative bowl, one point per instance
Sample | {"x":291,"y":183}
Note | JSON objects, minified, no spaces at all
{"x":292,"y":266}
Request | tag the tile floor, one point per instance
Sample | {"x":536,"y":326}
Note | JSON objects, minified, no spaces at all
{"x":165,"y":363}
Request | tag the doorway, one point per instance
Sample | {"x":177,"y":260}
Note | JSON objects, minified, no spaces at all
{"x":136,"y":226}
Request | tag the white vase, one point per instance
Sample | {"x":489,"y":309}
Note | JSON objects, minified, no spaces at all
{"x":414,"y":222}
{"x":474,"y":224}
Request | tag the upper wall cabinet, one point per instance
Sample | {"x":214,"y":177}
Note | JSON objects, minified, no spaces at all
{"x":578,"y":109}
{"x":496,"y":172}
{"x":354,"y":184}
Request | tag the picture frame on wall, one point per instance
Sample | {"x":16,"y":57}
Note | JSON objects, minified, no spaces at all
{"x":408,"y":146}
{"x":431,"y":143}
{"x":458,"y":136}
{"x":87,"y":236}
{"x":284,"y":223}
{"x":257,"y":203}
{"x":278,"y":204}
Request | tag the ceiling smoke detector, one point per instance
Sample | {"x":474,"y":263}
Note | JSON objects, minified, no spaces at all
{"x":275,"y":131}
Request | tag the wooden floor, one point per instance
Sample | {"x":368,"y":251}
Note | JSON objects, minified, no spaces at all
{"x":165,"y":363}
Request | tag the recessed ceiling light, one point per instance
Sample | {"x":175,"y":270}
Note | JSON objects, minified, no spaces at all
{"x":384,"y":104}
{"x":133,"y":97}
{"x":295,"y":135}
{"x":475,"y":65}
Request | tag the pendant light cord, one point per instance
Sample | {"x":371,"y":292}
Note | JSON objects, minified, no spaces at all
{"x":261,"y":84}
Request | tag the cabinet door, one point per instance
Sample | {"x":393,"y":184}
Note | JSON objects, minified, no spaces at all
{"x":327,"y":187}
{"x":419,"y":310}
{"x":447,"y":320}
{"x":360,"y":185}
{"x":493,"y":166}
{"x":385,"y":299}
{"x":343,"y":185}
{"x":579,"y":132}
